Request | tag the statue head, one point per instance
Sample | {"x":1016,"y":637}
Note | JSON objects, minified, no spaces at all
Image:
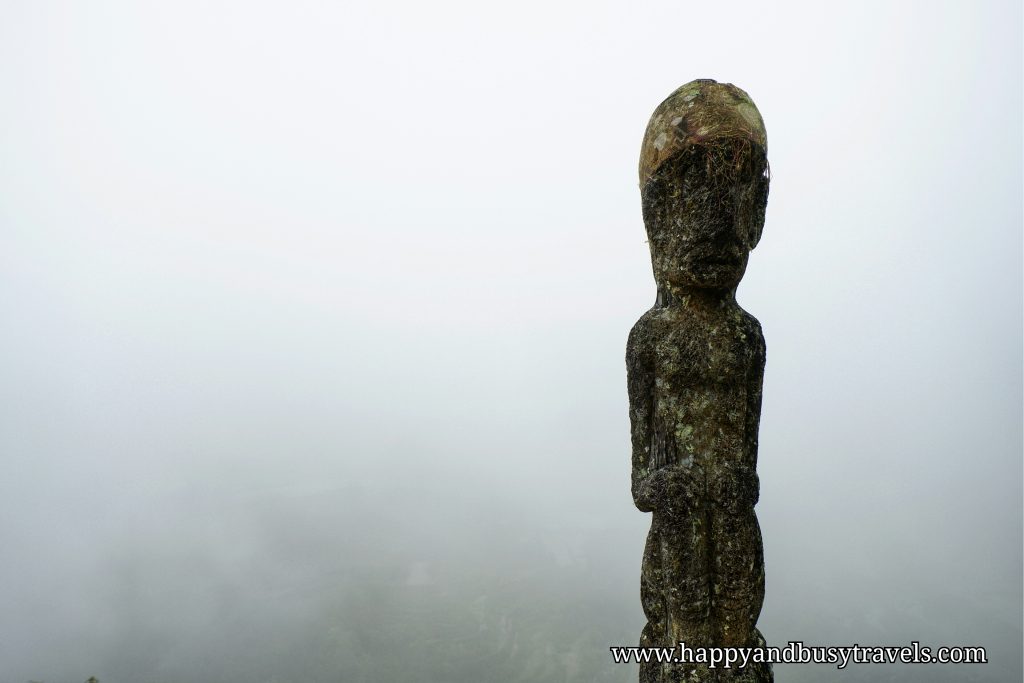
{"x":704,"y":184}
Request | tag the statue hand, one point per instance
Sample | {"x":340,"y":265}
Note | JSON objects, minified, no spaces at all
{"x":673,"y":489}
{"x":734,"y":488}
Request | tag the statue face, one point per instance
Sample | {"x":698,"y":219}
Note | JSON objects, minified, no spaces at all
{"x":704,"y":210}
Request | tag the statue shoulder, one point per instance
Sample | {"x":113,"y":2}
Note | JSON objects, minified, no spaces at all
{"x":641,"y":336}
{"x":751,"y":325}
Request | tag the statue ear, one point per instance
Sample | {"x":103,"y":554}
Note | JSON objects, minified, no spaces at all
{"x":760,"y":203}
{"x":755,"y":238}
{"x":757,"y":227}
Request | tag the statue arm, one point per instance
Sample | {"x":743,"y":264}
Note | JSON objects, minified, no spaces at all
{"x":640,"y":385}
{"x":755,"y":380}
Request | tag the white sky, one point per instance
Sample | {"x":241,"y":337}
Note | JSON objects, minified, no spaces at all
{"x":283,"y":247}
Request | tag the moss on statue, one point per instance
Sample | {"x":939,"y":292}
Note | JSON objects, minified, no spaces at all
{"x":695,"y":364}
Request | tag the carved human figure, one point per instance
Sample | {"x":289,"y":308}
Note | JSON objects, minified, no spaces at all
{"x":695,"y":363}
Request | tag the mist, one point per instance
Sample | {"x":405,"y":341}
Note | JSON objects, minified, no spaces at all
{"x":314,"y":317}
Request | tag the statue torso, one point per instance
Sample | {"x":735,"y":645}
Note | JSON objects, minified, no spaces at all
{"x":704,"y":363}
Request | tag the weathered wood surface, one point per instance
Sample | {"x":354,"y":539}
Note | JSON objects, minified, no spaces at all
{"x":695,"y":364}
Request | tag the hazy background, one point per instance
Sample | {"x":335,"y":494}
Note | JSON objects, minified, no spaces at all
{"x":314,"y":317}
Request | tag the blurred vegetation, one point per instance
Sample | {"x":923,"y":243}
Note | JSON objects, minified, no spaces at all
{"x":335,"y":589}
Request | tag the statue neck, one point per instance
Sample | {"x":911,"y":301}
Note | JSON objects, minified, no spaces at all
{"x":694,"y":298}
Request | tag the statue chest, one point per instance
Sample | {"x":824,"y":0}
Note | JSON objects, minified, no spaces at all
{"x":702,"y":375}
{"x":709,"y":353}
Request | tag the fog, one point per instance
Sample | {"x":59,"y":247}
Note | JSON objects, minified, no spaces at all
{"x":314,"y":318}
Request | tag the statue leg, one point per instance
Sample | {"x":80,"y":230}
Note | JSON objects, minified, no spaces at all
{"x":686,"y":565}
{"x":738,"y":586}
{"x":752,"y":673}
{"x":653,"y":600}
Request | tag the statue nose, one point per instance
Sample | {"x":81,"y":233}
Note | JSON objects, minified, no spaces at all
{"x":729,"y":238}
